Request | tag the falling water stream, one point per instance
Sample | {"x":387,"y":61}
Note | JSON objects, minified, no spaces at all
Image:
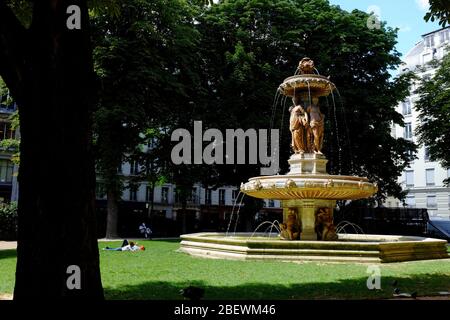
{"x":337,"y":131}
{"x":232,"y":211}
{"x":344,"y":115}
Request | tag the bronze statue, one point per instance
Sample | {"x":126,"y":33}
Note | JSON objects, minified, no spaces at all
{"x":306,"y":66}
{"x":317,"y":125}
{"x":298,"y":125}
{"x":324,"y":226}
{"x":290,"y":230}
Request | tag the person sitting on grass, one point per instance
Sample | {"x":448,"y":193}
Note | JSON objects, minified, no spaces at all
{"x":127,"y":247}
{"x":146,"y":231}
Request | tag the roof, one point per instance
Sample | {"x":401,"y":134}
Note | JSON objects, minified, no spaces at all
{"x":436,"y":31}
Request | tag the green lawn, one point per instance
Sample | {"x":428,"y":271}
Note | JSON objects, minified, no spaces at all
{"x":160,"y":272}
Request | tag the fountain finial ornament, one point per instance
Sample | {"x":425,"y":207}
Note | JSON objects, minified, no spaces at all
{"x":306,"y":66}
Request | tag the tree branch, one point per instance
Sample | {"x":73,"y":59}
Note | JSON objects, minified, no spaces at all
{"x":12,"y":51}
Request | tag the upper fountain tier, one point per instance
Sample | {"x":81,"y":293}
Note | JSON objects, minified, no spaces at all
{"x":308,"y":177}
{"x":306,"y":84}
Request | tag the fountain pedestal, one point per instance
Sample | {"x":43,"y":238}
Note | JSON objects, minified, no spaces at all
{"x":306,"y":210}
{"x":308,"y":163}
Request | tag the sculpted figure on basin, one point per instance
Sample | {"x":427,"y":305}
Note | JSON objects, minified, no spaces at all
{"x":299,"y":127}
{"x":306,"y":66}
{"x":290,"y":230}
{"x":317,"y":125}
{"x":324,"y":225}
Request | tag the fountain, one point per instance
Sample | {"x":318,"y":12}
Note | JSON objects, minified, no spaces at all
{"x":308,"y":195}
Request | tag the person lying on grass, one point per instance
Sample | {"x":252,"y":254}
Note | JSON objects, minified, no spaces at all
{"x":127,"y":247}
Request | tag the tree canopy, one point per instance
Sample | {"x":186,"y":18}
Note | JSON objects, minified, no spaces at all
{"x":433,"y":129}
{"x":249,"y":47}
{"x":144,"y":58}
{"x":440,"y":11}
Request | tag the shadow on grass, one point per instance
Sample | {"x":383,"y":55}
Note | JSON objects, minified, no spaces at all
{"x":426,"y":284}
{"x":6,"y":254}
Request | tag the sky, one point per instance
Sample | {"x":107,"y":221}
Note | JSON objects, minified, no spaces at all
{"x":407,"y":15}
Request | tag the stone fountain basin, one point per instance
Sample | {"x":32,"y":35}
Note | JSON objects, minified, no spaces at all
{"x":309,"y":186}
{"x":348,"y":248}
{"x":307,"y":84}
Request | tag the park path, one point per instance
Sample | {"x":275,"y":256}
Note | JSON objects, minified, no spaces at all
{"x":7,"y":245}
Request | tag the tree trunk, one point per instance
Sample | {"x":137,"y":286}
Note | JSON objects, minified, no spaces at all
{"x":57,"y":227}
{"x":113,"y":215}
{"x":183,"y":210}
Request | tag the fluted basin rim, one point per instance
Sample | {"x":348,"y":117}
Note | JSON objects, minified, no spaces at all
{"x":309,"y":186}
{"x":317,"y":85}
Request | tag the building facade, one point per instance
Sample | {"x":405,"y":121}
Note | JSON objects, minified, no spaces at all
{"x":8,"y":170}
{"x":211,"y":207}
{"x":423,"y":179}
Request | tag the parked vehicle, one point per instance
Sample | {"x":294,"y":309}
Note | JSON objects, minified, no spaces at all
{"x":439,"y":228}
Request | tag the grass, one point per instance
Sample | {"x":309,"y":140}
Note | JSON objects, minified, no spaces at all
{"x":160,"y":272}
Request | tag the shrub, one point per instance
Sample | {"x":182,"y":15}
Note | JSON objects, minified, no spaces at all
{"x":8,"y":221}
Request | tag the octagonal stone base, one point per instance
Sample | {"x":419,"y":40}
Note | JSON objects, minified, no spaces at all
{"x":348,"y":248}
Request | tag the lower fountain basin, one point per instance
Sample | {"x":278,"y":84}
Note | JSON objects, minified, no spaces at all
{"x":348,"y":248}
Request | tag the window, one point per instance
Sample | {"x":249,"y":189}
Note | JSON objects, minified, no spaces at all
{"x":176,"y":194}
{"x":194,"y":196}
{"x":429,"y":41}
{"x":393,"y":131}
{"x":100,"y":191}
{"x":429,"y":174}
{"x":427,"y":58}
{"x":149,"y":194}
{"x":133,"y":194}
{"x":234,"y":195}
{"x":134,"y":167}
{"x":444,"y":36}
{"x":411,"y":155}
{"x":151,"y":144}
{"x":222,"y":197}
{"x":406,"y":107}
{"x":409,"y":178}
{"x":426,"y":154}
{"x":207,"y":196}
{"x":6,"y":171}
{"x":271,"y":203}
{"x":431,"y":201}
{"x":165,"y":195}
{"x":408,"y":131}
{"x":5,"y":131}
{"x":410,"y":201}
